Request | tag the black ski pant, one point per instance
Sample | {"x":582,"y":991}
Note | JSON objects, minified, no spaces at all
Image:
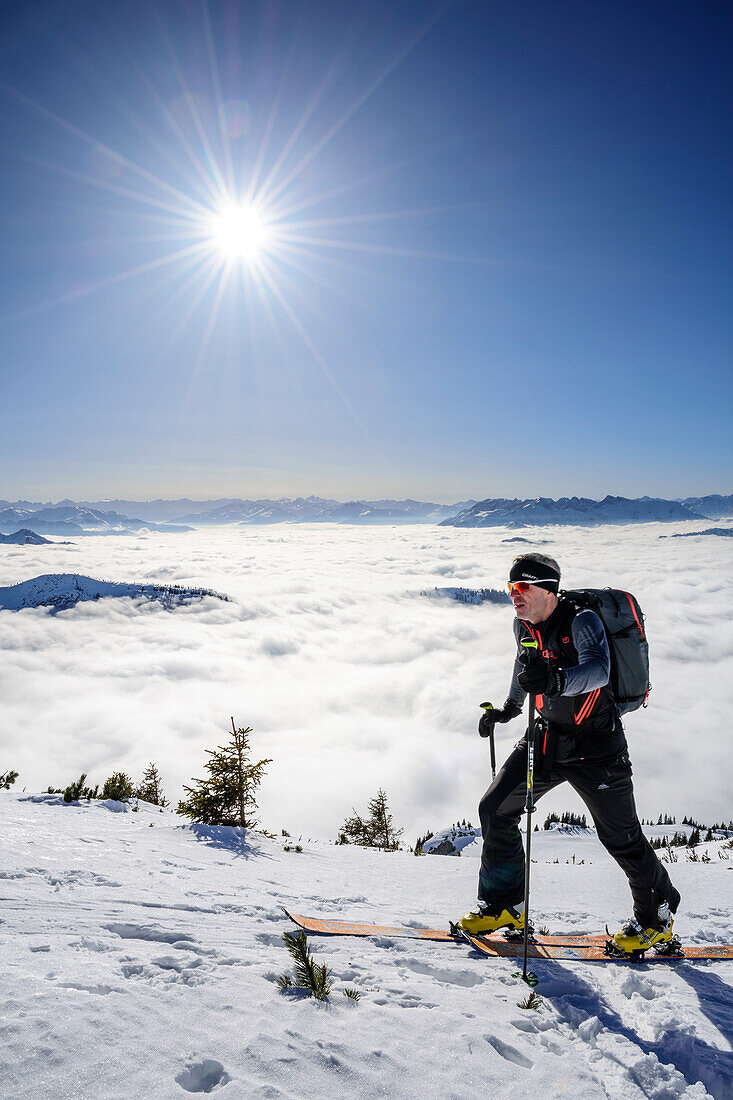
{"x":607,"y":791}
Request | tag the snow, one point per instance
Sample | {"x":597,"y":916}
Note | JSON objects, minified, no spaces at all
{"x":64,"y":590}
{"x":24,"y":537}
{"x":140,"y":956}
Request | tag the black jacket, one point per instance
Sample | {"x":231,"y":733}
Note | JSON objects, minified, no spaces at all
{"x":583,"y":722}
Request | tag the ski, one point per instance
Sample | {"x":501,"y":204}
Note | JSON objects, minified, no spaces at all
{"x":321,"y":926}
{"x":568,"y":947}
{"x":591,"y":952}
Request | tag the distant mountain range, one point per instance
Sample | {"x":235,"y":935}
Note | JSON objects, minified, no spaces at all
{"x":582,"y":511}
{"x":108,"y":517}
{"x":68,"y":518}
{"x":98,"y":517}
{"x":318,"y":510}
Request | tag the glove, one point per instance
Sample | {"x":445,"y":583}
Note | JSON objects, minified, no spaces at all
{"x":540,"y":678}
{"x":490,"y":717}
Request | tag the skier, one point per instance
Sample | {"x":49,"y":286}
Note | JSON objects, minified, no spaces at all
{"x":580,"y":739}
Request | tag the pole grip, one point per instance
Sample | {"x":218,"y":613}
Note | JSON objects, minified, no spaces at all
{"x":492,"y":746}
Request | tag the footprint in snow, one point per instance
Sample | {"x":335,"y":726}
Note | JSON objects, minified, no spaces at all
{"x":464,"y":978}
{"x":269,"y":939}
{"x":510,"y":1053}
{"x":178,"y":940}
{"x":171,"y":962}
{"x":202,"y":1076}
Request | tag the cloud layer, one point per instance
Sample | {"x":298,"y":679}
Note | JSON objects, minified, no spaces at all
{"x":350,"y":679}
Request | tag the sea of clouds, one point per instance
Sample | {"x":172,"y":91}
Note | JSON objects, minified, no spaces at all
{"x":350,"y":678}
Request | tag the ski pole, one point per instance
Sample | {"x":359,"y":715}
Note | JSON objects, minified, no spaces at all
{"x":492,"y":747}
{"x":530,"y":978}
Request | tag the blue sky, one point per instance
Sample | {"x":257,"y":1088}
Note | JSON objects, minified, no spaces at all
{"x":492,"y":256}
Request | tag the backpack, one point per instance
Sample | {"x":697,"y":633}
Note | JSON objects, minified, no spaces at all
{"x":623,"y":621}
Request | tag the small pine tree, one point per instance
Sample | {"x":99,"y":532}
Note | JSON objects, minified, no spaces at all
{"x":77,"y":790}
{"x":228,"y":796}
{"x":356,"y":830}
{"x":7,"y":779}
{"x":151,"y":787}
{"x":375,"y":831}
{"x":421,"y":840}
{"x":311,"y":978}
{"x":380,"y":819}
{"x":118,"y":787}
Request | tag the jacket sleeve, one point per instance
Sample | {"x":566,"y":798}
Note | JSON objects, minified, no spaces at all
{"x":517,"y":694}
{"x":594,"y":658}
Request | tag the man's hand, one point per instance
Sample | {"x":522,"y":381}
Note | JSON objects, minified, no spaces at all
{"x":540,"y":678}
{"x":492,"y":716}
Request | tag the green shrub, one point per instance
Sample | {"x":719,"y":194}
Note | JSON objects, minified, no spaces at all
{"x":118,"y":787}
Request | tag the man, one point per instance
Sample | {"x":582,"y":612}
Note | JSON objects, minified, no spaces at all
{"x":580,"y":740}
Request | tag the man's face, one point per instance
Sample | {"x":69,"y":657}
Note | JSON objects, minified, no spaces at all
{"x":535,"y":605}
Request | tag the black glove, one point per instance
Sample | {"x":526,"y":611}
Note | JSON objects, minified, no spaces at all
{"x":490,"y":717}
{"x":540,"y":678}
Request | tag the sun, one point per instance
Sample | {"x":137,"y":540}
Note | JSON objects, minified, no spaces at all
{"x":239,"y":233}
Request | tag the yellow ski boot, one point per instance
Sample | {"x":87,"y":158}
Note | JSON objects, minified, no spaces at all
{"x":632,"y":940}
{"x":483,"y":921}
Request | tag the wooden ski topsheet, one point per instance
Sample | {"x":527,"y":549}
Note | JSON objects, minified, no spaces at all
{"x":321,"y":926}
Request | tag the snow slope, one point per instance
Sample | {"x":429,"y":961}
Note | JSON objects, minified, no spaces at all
{"x":544,"y":511}
{"x":24,"y":537}
{"x":64,"y":590}
{"x":138,"y":958}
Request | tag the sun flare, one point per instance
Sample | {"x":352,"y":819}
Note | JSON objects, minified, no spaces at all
{"x":239,"y":233}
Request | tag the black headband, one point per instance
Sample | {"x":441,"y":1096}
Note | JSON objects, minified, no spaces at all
{"x":534,"y":572}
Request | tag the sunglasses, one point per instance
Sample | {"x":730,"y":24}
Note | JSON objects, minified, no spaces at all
{"x":518,"y":586}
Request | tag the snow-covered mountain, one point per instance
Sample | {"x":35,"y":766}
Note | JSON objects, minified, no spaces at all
{"x":142,"y":956}
{"x":468,"y":595}
{"x":122,"y":516}
{"x":64,"y":590}
{"x":74,"y":519}
{"x":714,"y":506}
{"x":580,"y":511}
{"x":24,"y":537}
{"x":319,"y":510}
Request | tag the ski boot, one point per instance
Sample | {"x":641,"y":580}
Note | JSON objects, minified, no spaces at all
{"x":632,"y":940}
{"x":483,"y":921}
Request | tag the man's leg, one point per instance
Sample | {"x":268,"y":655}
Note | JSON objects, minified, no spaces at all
{"x":501,"y":877}
{"x":608,"y":793}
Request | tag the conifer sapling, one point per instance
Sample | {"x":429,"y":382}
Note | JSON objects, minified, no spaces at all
{"x":315,"y":980}
{"x":228,"y":795}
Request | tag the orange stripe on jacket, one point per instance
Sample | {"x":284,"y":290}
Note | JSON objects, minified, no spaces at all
{"x":587,"y":706}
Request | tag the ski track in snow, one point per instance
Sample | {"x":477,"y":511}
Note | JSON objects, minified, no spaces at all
{"x":139,"y":958}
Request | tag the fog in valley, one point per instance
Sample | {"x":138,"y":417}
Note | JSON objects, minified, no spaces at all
{"x":351,"y":677}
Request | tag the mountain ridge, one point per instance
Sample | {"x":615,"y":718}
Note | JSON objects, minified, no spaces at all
{"x":174,"y":516}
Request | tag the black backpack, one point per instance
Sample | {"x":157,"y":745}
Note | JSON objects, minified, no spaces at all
{"x":623,"y":620}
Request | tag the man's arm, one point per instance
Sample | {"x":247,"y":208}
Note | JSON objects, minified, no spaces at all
{"x":594,"y":658}
{"x":517,"y":694}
